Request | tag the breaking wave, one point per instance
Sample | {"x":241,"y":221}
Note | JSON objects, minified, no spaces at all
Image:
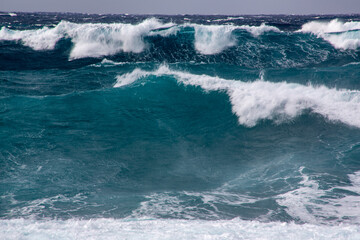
{"x":260,"y":100}
{"x":343,"y":35}
{"x":100,"y":39}
{"x":90,"y":39}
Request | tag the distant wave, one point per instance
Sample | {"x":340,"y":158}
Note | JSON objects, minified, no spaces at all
{"x":99,"y":39}
{"x":244,"y":45}
{"x":260,"y":100}
{"x":90,"y":39}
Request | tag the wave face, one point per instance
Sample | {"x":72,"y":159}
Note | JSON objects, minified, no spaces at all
{"x":153,"y":124}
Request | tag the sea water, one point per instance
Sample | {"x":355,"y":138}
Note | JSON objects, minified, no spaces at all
{"x":179,"y":127}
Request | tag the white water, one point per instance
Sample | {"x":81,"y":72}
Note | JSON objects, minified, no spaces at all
{"x":260,"y":100}
{"x":90,"y":39}
{"x":258,"y":30}
{"x":169,"y":229}
{"x":100,"y":39}
{"x":213,"y":39}
{"x":343,"y":35}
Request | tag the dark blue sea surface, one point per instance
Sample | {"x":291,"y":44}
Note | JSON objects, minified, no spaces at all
{"x":252,"y":119}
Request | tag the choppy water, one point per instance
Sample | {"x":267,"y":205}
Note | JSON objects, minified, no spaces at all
{"x":141,"y":126}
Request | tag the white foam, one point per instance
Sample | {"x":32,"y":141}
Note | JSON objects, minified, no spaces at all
{"x":260,"y":100}
{"x":129,"y":78}
{"x":343,"y":35}
{"x":311,"y":204}
{"x":258,"y":30}
{"x":212,"y":39}
{"x":36,"y":207}
{"x":227,"y":19}
{"x":40,"y":39}
{"x":103,"y":228}
{"x":95,"y":40}
{"x":189,"y":205}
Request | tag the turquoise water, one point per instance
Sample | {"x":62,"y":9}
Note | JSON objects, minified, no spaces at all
{"x":249,"y":121}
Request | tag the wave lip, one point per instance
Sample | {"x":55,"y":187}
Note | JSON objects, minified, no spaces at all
{"x":339,"y":34}
{"x":261,"y":100}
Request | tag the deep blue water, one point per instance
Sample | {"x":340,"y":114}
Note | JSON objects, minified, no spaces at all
{"x":180,"y":117}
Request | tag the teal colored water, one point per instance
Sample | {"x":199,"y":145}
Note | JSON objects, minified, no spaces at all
{"x":255,"y":118}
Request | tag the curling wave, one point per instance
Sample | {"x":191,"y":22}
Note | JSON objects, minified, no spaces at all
{"x":260,"y":100}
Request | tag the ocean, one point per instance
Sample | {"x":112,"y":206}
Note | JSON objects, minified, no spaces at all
{"x":179,"y":127}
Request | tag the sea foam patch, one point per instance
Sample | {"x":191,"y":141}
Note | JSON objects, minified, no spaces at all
{"x":169,"y":229}
{"x":311,"y":204}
